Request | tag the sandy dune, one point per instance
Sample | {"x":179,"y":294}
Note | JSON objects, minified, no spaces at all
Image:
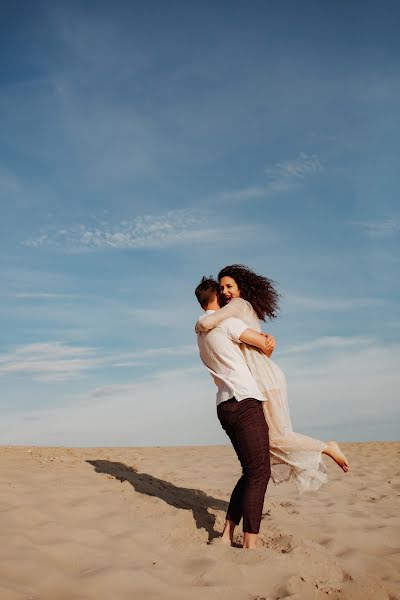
{"x":125,"y":523}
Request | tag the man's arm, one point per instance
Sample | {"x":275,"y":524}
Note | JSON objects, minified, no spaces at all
{"x":265,"y":343}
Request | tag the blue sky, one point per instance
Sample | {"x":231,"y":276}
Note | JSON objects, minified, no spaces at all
{"x":144,"y":145}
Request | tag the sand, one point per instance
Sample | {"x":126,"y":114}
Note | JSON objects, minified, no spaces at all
{"x":133,"y":523}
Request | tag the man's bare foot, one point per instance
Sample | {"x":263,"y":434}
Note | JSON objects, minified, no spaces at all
{"x":250,"y":541}
{"x":220,"y":541}
{"x":332,"y":449}
{"x":226,"y":541}
{"x":227,"y":534}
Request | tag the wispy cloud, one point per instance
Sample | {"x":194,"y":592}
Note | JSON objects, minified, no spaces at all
{"x":40,"y":296}
{"x":281,"y":177}
{"x":131,"y":358}
{"x":379,"y":228}
{"x":113,"y":391}
{"x":298,"y":168}
{"x":56,"y":361}
{"x":49,"y":361}
{"x":121,"y":415}
{"x":331,"y":304}
{"x":148,"y":231}
{"x":323,"y":404}
{"x":161,"y":317}
{"x":328,"y":343}
{"x":9,"y":183}
{"x":247,"y":193}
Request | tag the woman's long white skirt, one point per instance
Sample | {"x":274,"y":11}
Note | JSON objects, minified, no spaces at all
{"x":294,"y":457}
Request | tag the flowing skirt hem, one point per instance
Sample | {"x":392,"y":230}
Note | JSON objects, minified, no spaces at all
{"x":308,"y":474}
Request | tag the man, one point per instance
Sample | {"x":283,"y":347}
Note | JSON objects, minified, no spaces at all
{"x":239,"y":411}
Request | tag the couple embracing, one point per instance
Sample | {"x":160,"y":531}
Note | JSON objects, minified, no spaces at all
{"x":252,"y":404}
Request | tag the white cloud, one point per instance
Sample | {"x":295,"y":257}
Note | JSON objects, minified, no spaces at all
{"x":353,"y":392}
{"x":282,"y":177}
{"x":39,"y":295}
{"x":9,"y":182}
{"x":353,"y":388}
{"x":327,"y":343}
{"x":169,"y":410}
{"x":379,"y":228}
{"x":248,"y":193}
{"x":298,"y":168}
{"x":49,"y":361}
{"x":147,"y":354}
{"x":149,"y":231}
{"x":56,"y":361}
{"x":171,"y":351}
{"x":52,"y":350}
{"x":162,"y":317}
{"x":338,"y":304}
{"x":146,"y":231}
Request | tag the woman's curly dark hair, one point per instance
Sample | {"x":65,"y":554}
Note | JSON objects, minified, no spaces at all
{"x":257,"y":290}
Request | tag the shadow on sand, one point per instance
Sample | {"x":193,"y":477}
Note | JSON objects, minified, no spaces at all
{"x":184,"y":498}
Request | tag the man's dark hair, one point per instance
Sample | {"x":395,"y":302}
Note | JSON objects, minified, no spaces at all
{"x":206,"y":291}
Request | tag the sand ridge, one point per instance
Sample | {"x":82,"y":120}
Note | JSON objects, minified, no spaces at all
{"x":83,"y":523}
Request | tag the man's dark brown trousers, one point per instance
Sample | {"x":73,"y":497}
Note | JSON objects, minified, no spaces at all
{"x":245,"y":424}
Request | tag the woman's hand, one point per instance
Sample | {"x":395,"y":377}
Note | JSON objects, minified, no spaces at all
{"x":270,"y":343}
{"x":264,"y":342}
{"x":199,"y":328}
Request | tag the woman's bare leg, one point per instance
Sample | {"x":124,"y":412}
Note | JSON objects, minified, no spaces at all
{"x":332,"y":449}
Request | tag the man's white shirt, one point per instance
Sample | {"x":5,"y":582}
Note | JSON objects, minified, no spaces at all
{"x":220,"y":352}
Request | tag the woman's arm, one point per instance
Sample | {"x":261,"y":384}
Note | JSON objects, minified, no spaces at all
{"x":235,"y":308}
{"x":264,"y":342}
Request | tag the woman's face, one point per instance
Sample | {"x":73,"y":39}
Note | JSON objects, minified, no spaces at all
{"x":229,"y":288}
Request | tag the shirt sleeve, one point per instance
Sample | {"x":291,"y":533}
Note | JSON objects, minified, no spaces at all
{"x":233,"y":328}
{"x":236,"y":308}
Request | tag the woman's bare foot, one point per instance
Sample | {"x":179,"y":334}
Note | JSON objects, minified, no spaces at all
{"x":332,"y":449}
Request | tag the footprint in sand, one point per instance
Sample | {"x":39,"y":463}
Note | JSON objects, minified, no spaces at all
{"x":280,"y":543}
{"x":325,"y":541}
{"x":359,"y":514}
{"x":289,"y":508}
{"x":376,"y":498}
{"x":346,"y":553}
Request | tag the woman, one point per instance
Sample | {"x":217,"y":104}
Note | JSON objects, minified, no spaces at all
{"x":251,"y":297}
